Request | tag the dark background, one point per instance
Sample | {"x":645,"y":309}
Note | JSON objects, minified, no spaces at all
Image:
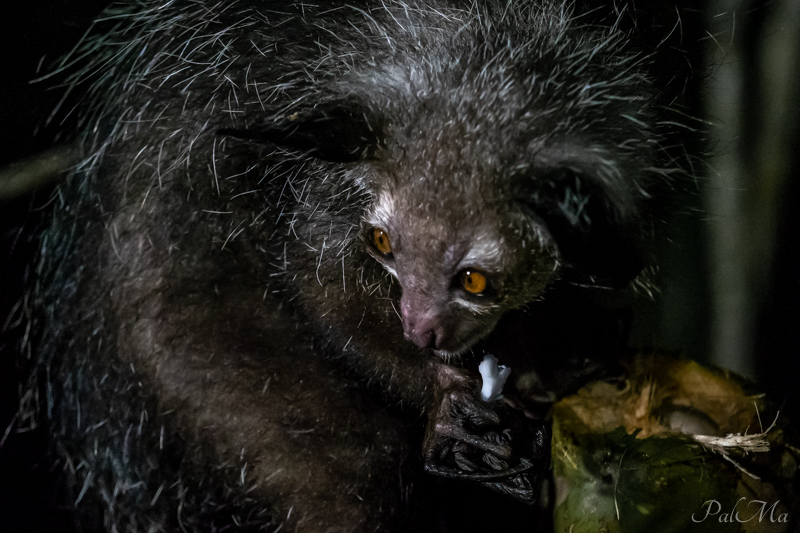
{"x":33,"y":34}
{"x":681,"y":317}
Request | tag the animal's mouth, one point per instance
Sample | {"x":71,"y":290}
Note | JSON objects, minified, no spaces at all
{"x":466,"y":342}
{"x":448,"y":355}
{"x":457,"y":351}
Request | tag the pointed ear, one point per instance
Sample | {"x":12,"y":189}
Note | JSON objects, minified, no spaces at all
{"x":598,"y":248}
{"x":339,"y":131}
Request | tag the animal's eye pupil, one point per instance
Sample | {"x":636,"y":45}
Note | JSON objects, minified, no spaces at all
{"x":380,"y":239}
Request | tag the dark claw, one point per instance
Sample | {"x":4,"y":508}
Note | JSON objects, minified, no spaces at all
{"x":492,"y":444}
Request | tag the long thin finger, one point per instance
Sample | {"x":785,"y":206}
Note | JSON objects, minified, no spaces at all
{"x":500,"y":450}
{"x":439,"y":470}
{"x":476,"y":411}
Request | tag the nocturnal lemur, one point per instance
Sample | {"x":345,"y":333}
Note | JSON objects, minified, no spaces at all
{"x":284,"y":207}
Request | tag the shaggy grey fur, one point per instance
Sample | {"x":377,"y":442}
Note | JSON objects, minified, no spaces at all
{"x":212,"y":244}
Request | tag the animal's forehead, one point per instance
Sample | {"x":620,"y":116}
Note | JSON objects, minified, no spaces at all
{"x":454,"y":217}
{"x":448,"y":233}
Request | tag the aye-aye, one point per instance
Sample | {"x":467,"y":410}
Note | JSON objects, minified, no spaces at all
{"x":292,"y":221}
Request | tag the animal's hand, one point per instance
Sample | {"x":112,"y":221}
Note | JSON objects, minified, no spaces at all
{"x":491,"y":443}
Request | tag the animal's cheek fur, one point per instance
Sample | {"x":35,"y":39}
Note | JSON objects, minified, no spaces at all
{"x":527,"y":276}
{"x":466,"y":327}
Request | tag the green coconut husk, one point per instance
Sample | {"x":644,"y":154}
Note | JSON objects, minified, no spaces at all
{"x":676,"y":447}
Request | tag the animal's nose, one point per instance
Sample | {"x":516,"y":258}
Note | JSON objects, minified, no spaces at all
{"x":424,"y":329}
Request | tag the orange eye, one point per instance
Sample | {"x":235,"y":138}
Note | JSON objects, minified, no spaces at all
{"x":381,"y":241}
{"x":473,"y":282}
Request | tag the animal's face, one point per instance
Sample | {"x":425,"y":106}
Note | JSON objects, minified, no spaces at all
{"x":462,"y":260}
{"x":492,"y":158}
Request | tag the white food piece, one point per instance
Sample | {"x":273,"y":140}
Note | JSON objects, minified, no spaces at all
{"x":494,"y":377}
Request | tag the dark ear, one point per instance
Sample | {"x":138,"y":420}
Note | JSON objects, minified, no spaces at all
{"x":597,"y":247}
{"x":340,"y":131}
